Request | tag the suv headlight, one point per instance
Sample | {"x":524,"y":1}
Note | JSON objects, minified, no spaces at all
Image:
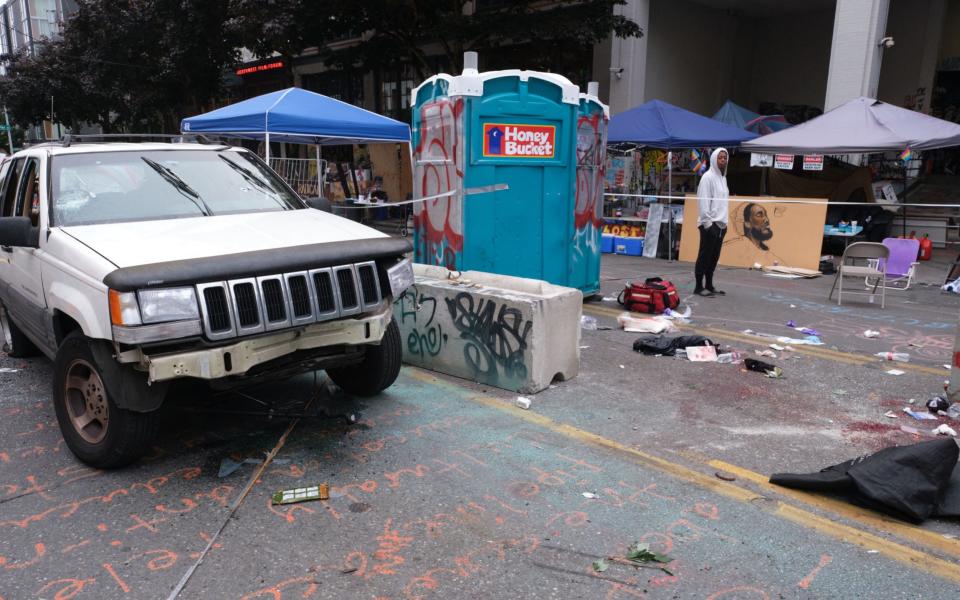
{"x":168,"y":304}
{"x":400,"y":276}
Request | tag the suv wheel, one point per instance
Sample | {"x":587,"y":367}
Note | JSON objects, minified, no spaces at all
{"x":20,"y":345}
{"x":377,"y":371}
{"x":97,"y":431}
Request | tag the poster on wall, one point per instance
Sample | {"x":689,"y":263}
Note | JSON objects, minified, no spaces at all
{"x":762,"y":230}
{"x":813,"y":162}
{"x":758,"y":159}
{"x":783,"y":161}
{"x":652,"y":239}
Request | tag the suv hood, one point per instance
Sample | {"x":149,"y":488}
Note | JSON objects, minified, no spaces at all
{"x":147,"y":242}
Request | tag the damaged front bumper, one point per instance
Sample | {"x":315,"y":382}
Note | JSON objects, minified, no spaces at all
{"x":236,"y":359}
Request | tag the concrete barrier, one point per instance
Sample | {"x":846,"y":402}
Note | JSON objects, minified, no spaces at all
{"x":513,"y":333}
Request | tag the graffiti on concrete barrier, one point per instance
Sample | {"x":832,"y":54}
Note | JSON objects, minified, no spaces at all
{"x":426,"y":337}
{"x":495,"y":337}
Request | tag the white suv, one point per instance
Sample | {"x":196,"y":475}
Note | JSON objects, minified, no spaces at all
{"x":131,"y":265}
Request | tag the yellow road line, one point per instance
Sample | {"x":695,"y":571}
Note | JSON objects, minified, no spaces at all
{"x":903,"y":554}
{"x":917,"y":559}
{"x":816,"y":351}
{"x":905,"y":531}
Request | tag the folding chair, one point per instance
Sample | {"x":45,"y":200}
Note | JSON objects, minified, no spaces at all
{"x":865,"y":251}
{"x":901,"y":266}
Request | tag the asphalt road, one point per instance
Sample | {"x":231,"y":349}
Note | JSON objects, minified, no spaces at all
{"x":441,"y":488}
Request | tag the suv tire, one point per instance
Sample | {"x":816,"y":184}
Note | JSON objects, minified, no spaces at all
{"x":96,"y":430}
{"x":378,"y":370}
{"x":20,"y":345}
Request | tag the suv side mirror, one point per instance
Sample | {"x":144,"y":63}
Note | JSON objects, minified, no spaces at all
{"x":19,"y":232}
{"x":318,"y":203}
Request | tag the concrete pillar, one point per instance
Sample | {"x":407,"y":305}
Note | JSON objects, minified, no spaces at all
{"x":931,"y":50}
{"x":855,"y":56}
{"x":628,"y":60}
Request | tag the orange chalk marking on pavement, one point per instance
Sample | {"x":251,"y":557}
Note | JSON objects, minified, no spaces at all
{"x":825,"y":560}
{"x":123,"y":585}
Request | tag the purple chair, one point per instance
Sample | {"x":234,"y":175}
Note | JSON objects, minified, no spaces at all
{"x":901,"y":266}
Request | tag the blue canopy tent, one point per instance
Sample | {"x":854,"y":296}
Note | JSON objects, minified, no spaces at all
{"x":732,"y":113}
{"x":660,"y":125}
{"x":657,"y":124}
{"x":298,"y":116}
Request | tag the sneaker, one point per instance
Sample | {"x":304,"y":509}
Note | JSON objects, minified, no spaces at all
{"x":705,"y":293}
{"x":717,"y":292}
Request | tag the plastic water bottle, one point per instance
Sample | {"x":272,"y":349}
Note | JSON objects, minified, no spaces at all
{"x":897,"y":356}
{"x":730,"y":357}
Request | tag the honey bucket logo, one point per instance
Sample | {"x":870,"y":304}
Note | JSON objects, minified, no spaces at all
{"x":512,"y":140}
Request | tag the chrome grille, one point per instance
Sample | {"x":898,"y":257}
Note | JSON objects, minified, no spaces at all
{"x":299,"y":296}
{"x":369,"y":284}
{"x":246,"y":298}
{"x":346,"y":285}
{"x":217,"y":308}
{"x":252,"y":305}
{"x":273,"y":301}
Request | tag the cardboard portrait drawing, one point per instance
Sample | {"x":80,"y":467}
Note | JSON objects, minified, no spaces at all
{"x":762,"y":230}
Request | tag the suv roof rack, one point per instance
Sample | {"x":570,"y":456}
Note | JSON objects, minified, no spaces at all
{"x":70,"y":138}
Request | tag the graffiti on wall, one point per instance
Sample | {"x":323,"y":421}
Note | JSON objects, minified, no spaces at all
{"x":588,"y":211}
{"x":495,"y":337}
{"x":438,"y":168}
{"x":426,"y":337}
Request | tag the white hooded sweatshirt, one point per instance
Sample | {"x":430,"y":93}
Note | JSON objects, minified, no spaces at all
{"x":712,"y":193}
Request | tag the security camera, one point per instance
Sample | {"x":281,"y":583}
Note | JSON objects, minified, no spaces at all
{"x":618,"y":71}
{"x":886,"y":42}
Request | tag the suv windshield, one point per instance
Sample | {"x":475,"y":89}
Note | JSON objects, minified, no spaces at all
{"x":114,"y":187}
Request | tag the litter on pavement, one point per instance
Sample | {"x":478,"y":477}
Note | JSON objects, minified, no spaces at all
{"x":590,"y":495}
{"x":702,"y":353}
{"x":523,"y":402}
{"x":871,"y":334}
{"x":945,"y":429}
{"x":909,"y":482}
{"x":767,"y":353}
{"x":8,"y":370}
{"x":890,"y":414}
{"x":321,"y":491}
{"x":894,"y":356}
{"x":920,"y":416}
{"x":587,"y":322}
{"x":634,"y":324}
{"x":668,"y":346}
{"x":895,"y":372}
{"x":759,"y":366}
{"x":937,"y":403}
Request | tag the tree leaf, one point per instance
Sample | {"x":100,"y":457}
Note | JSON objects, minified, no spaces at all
{"x":600,"y":565}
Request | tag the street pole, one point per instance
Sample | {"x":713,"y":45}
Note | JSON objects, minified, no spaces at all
{"x":953,"y":387}
{"x":6,"y":119}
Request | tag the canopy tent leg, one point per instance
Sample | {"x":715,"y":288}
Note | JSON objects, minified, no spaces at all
{"x":669,"y":207}
{"x":267,"y":150}
{"x":319,"y":173}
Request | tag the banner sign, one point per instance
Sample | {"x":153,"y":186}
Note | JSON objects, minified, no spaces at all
{"x":813,"y":162}
{"x":514,"y":140}
{"x":783,"y":161}
{"x":758,"y":159}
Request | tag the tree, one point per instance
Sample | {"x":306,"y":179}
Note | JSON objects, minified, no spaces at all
{"x":428,"y":35}
{"x":136,"y":65}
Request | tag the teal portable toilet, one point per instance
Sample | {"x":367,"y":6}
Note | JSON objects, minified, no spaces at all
{"x":534,"y":134}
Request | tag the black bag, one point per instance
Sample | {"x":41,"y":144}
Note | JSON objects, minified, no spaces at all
{"x":909,"y":482}
{"x":661,"y":344}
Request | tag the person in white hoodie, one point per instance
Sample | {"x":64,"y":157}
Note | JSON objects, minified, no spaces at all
{"x":712,"y":200}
